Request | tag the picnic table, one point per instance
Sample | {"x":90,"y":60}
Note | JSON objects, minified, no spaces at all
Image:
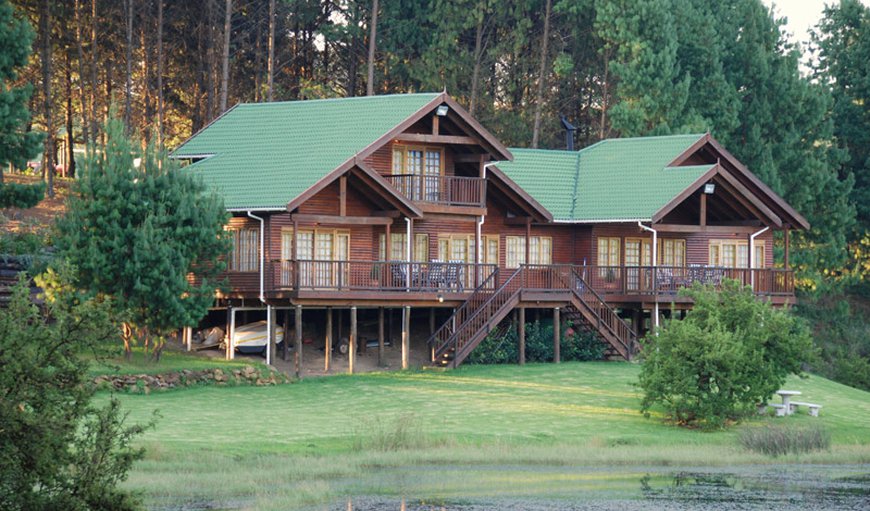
{"x":786,"y":396}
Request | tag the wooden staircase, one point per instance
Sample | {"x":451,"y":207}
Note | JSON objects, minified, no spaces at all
{"x":488,"y":305}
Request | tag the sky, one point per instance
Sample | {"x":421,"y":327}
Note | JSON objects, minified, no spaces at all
{"x":802,"y":15}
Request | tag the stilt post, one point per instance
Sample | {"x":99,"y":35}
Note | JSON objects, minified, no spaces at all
{"x":521,"y":331}
{"x":351,"y":346}
{"x":406,"y":336}
{"x":297,"y":356}
{"x":327,"y":345}
{"x":231,"y":352}
{"x":381,"y":361}
{"x":271,"y":344}
{"x":556,"y":335}
{"x":285,"y":346}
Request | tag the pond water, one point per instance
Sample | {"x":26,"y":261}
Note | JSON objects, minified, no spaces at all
{"x":561,"y":488}
{"x":786,"y":487}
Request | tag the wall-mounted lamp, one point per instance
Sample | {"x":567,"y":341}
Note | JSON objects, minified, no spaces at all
{"x":442,"y":110}
{"x":440,"y":298}
{"x":709,"y":188}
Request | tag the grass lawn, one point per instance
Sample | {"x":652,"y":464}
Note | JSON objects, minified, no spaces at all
{"x":306,"y":442}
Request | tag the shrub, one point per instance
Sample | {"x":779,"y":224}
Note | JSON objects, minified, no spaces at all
{"x":502,"y":346}
{"x":780,"y":440}
{"x":401,"y":433}
{"x":14,"y":195}
{"x":731,"y":352}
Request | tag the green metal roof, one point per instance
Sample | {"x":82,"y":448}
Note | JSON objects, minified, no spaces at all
{"x":263,"y":155}
{"x":624,"y":179}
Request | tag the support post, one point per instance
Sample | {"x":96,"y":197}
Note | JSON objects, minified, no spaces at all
{"x":786,"y":248}
{"x":271,"y":346}
{"x":406,"y":336}
{"x":231,"y":352}
{"x":327,"y":357}
{"x":556,"y":335}
{"x":431,"y":333}
{"x":381,"y":337}
{"x":188,"y":337}
{"x":351,"y":345}
{"x":297,"y":356}
{"x":285,"y":346}
{"x":521,"y":331}
{"x":703,"y":219}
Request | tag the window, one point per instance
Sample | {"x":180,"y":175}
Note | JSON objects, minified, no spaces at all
{"x":735,"y":254}
{"x":638,"y":252}
{"x":397,"y":247}
{"x":423,"y":166}
{"x":672,"y":252}
{"x":246,"y":250}
{"x":314,"y":247}
{"x":608,"y":251}
{"x":461,"y":247}
{"x":540,"y":250}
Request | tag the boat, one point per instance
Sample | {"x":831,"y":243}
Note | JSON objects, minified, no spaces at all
{"x":251,"y":338}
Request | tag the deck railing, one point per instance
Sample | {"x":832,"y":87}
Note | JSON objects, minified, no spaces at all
{"x":444,"y":277}
{"x":668,"y":280}
{"x":459,"y":277}
{"x":446,"y":190}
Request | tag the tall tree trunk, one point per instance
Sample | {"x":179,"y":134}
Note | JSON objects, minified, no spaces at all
{"x":94,"y":69}
{"x":605,"y":90}
{"x":478,"y":58}
{"x":542,"y":77}
{"x":211,"y":60}
{"x":225,"y":58}
{"x":373,"y":35}
{"x":160,"y":106}
{"x":83,"y":102}
{"x":70,"y":170}
{"x":147,"y":111}
{"x":48,"y":148}
{"x":271,"y":63}
{"x":128,"y":88}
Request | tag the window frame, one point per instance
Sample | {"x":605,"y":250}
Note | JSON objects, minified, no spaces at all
{"x":539,"y":247}
{"x":718,"y":246}
{"x":235,"y":257}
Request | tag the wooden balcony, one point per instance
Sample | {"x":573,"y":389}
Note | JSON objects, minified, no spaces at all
{"x":453,"y":278}
{"x":442,"y":190}
{"x":380,"y":276}
{"x":668,"y":280}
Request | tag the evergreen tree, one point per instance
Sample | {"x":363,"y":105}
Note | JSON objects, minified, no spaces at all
{"x":842,"y":47}
{"x":138,"y":234}
{"x":17,"y":144}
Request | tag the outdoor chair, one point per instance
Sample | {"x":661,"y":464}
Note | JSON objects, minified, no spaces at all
{"x":400,"y":278}
{"x":435,"y":277}
{"x":453,"y":275}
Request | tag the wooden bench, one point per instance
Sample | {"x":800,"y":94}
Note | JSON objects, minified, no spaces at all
{"x":814,"y":408}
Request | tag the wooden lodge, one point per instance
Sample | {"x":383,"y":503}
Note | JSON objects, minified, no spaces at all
{"x":406,"y":204}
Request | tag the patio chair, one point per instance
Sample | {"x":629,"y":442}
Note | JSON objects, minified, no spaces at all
{"x":453,"y":275}
{"x":435,"y":277}
{"x":400,"y":278}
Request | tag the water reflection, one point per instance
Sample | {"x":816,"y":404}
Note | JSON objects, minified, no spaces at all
{"x":752,"y":488}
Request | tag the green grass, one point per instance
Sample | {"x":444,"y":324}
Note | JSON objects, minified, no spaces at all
{"x":170,"y":361}
{"x":309,"y":439}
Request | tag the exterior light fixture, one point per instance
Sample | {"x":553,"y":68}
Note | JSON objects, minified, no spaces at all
{"x":442,"y":110}
{"x":709,"y":188}
{"x":440,"y":298}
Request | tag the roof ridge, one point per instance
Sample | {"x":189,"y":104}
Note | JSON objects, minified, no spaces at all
{"x":648,"y":137}
{"x":576,"y":184}
{"x":324,"y":100}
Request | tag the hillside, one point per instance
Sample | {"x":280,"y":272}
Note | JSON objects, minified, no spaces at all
{"x":320,"y":434}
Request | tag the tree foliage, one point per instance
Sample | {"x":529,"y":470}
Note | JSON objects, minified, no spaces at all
{"x":137,"y":234}
{"x":730,"y":353}
{"x":58,"y":451}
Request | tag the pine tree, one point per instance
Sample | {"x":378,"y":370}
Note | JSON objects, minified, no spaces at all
{"x":17,"y":144}
{"x":138,"y":234}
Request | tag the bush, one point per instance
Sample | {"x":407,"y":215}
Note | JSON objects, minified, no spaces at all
{"x":502,"y":346}
{"x":781,"y":440}
{"x":731,"y":352}
{"x":57,"y":450}
{"x":14,"y":195}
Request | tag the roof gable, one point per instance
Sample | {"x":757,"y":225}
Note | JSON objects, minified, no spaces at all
{"x":263,"y":155}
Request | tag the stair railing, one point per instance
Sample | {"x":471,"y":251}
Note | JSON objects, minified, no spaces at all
{"x":607,"y":317}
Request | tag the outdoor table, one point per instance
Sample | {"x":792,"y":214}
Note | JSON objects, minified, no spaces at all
{"x":786,"y":398}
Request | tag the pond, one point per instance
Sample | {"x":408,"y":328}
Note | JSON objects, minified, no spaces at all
{"x":575,"y":488}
